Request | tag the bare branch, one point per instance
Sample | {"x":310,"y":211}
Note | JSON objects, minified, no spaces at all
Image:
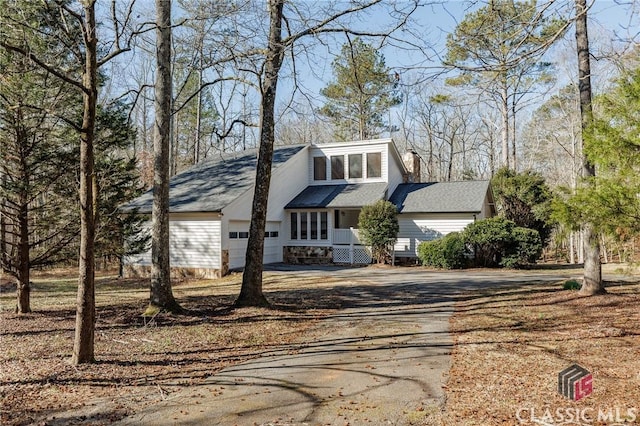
{"x":205,"y":85}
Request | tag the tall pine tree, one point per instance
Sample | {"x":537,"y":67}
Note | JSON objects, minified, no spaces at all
{"x":363,"y":91}
{"x":497,"y":50}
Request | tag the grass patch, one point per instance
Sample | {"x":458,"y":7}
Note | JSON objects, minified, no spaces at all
{"x":510,"y":347}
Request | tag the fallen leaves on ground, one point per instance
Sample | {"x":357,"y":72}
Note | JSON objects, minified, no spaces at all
{"x":511,"y":345}
{"x":138,"y":361}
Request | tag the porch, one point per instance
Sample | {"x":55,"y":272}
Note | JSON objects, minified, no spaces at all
{"x":348,"y":248}
{"x":325,"y":236}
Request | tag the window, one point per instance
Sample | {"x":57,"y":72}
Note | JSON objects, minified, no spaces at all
{"x":303,"y":225}
{"x":273,"y":234}
{"x":294,"y":226}
{"x":308,"y":226}
{"x":337,"y":167}
{"x":233,"y":235}
{"x":355,"y":166}
{"x":323,"y":225}
{"x":374,"y":164}
{"x":313,"y":218}
{"x":243,"y":234}
{"x":319,"y":168}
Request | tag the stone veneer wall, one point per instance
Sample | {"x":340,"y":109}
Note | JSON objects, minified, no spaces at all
{"x":308,"y":255}
{"x":137,"y":271}
{"x":144,"y":271}
{"x":225,"y":263}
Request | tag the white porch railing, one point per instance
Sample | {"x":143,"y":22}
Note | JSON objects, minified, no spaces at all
{"x":347,"y":247}
{"x":346,"y":236}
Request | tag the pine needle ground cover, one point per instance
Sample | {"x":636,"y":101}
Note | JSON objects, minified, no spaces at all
{"x":139,"y":360}
{"x":511,"y":345}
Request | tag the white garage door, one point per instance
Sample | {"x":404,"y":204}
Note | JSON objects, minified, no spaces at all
{"x":239,"y":236}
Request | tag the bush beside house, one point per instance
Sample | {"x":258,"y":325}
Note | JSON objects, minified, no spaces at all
{"x":448,"y":252}
{"x":379,"y":228}
{"x":513,"y":239}
{"x":489,"y":242}
{"x":527,"y":248}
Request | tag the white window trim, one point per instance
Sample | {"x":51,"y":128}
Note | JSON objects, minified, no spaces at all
{"x":305,"y":241}
{"x":347,"y":170}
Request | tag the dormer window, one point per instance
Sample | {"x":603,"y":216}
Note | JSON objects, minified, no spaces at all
{"x":355,"y":166}
{"x":319,"y":168}
{"x":374,"y":165}
{"x":351,"y":167}
{"x":337,"y":167}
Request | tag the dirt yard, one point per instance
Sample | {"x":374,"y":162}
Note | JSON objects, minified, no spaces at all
{"x":138,"y":362}
{"x":511,"y":345}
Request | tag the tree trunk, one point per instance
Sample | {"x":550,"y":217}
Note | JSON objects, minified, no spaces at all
{"x":504,"y":100}
{"x":251,"y":290}
{"x":4,"y":253}
{"x":362,"y":133}
{"x":161,"y":294}
{"x":24,"y":287}
{"x":603,"y":246}
{"x":572,"y":249}
{"x":513,"y":135}
{"x":83,"y":348}
{"x":580,"y":238}
{"x":492,"y":157}
{"x":450,"y":166}
{"x":23,"y":264}
{"x":174,"y":139}
{"x":4,"y":261}
{"x":430,"y":160}
{"x":592,"y":279}
{"x":196,"y":143}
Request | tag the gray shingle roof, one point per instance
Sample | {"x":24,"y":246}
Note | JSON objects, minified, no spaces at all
{"x":212,"y":185}
{"x":338,"y":196}
{"x":441,"y":197}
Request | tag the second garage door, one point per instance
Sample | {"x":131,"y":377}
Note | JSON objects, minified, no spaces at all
{"x":239,"y":236}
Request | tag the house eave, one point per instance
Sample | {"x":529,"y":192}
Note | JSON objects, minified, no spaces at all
{"x":441,"y":212}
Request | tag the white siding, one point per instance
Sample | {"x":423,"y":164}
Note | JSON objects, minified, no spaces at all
{"x":396,"y":171}
{"x":238,"y":245}
{"x":287,"y":181}
{"x":415,"y":228}
{"x":194,"y":242}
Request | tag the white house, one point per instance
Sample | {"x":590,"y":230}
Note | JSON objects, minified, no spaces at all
{"x":316,"y":195}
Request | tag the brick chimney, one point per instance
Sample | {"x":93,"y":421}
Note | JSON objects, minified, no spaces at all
{"x":411,"y":161}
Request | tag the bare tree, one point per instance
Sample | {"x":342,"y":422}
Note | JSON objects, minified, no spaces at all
{"x":161,"y":294}
{"x":251,"y":291}
{"x":592,"y":278}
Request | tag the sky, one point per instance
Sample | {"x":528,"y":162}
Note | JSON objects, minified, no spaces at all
{"x":610,"y":21}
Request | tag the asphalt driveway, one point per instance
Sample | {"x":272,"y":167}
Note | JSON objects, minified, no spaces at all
{"x":384,"y":358}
